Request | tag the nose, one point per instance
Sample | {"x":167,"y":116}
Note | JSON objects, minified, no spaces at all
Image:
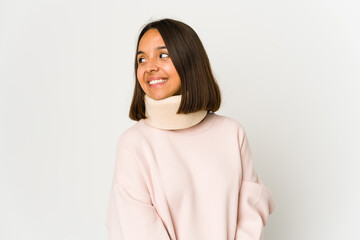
{"x":151,"y":66}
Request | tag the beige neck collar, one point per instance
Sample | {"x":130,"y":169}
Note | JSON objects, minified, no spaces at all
{"x":162,"y":114}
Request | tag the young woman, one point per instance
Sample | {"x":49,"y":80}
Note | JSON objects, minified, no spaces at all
{"x":182,"y":172}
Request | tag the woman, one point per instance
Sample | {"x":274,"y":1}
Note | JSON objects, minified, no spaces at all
{"x":182,"y":172}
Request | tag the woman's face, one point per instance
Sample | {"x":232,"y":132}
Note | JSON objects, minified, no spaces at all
{"x":156,"y":73}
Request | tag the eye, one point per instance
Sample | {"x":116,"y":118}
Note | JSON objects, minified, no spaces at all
{"x":164,"y":55}
{"x":141,"y":60}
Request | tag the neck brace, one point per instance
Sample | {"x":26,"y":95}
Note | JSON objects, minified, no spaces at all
{"x":162,"y":114}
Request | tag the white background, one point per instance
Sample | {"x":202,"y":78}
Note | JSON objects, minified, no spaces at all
{"x":289,"y":71}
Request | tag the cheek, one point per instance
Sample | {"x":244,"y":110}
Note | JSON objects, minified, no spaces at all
{"x":140,"y":74}
{"x":170,"y":69}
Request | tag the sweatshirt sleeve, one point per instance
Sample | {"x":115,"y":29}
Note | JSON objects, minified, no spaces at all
{"x":130,"y":213}
{"x":255,"y":201}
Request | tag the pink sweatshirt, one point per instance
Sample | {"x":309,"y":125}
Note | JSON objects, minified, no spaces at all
{"x":196,"y":183}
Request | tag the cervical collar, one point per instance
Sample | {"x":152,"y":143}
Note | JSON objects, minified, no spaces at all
{"x":162,"y":114}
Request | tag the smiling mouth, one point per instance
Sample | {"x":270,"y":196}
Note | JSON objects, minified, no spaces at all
{"x":157,"y":81}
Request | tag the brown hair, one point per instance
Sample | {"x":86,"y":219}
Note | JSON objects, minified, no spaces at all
{"x":199,"y":88}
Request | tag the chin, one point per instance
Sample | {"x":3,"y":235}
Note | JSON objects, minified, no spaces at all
{"x":159,"y":96}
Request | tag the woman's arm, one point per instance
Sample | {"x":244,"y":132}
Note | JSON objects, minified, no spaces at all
{"x":255,"y":201}
{"x":131,"y":215}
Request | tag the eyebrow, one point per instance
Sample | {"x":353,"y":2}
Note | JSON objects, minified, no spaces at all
{"x":158,"y":48}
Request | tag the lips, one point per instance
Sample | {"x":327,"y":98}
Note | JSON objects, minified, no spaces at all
{"x":155,"y":78}
{"x":156,"y":83}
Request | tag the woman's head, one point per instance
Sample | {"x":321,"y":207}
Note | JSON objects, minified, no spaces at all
{"x":156,"y":73}
{"x":172,"y":51}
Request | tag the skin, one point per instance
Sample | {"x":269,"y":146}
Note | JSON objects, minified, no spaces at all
{"x":154,"y":62}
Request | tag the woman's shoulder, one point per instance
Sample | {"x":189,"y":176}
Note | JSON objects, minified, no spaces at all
{"x":131,"y":135}
{"x":226,"y":121}
{"x":230,"y":126}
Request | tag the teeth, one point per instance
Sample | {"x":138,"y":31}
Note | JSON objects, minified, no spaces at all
{"x":152,"y":82}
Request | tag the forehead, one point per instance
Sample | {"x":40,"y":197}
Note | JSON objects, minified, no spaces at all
{"x":151,"y":40}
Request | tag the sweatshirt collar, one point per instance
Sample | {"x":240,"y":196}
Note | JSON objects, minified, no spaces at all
{"x":162,"y":114}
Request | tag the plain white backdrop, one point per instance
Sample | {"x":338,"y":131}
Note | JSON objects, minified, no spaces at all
{"x":289,"y":71}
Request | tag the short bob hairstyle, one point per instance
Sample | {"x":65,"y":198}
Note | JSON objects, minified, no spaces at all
{"x":199,"y":88}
